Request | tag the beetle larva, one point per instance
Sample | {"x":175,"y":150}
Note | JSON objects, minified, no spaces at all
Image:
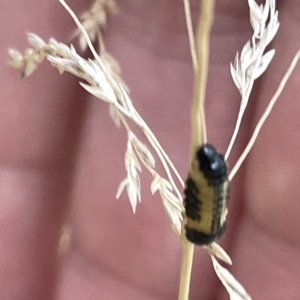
{"x":206,"y":196}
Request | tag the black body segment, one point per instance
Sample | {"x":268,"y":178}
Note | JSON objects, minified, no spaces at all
{"x":206,"y":196}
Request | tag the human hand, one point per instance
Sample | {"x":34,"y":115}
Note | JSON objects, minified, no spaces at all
{"x":62,"y":158}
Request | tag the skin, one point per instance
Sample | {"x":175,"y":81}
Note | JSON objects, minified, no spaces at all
{"x":61,"y":160}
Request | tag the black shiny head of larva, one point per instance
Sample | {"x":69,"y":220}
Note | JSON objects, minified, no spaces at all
{"x":211,"y":163}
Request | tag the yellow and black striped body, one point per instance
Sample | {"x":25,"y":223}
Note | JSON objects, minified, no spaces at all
{"x":206,"y":196}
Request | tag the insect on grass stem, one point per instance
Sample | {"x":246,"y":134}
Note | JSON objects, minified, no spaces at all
{"x":199,"y":135}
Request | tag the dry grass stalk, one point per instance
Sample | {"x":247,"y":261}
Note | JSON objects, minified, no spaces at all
{"x":251,"y":65}
{"x":186,"y":268}
{"x":199,"y":134}
{"x":253,"y":61}
{"x":104,"y":82}
{"x":191,"y":36}
{"x":265,"y":115}
{"x":235,"y":290}
{"x":94,"y":21}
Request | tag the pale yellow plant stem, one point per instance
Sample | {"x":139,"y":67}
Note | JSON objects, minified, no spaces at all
{"x":191,"y":36}
{"x":199,"y":135}
{"x":186,"y":267}
{"x":265,"y":115}
{"x":152,"y":139}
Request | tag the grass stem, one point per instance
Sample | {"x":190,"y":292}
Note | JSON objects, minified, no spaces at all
{"x":186,"y":268}
{"x":265,"y":115}
{"x":199,"y":135}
